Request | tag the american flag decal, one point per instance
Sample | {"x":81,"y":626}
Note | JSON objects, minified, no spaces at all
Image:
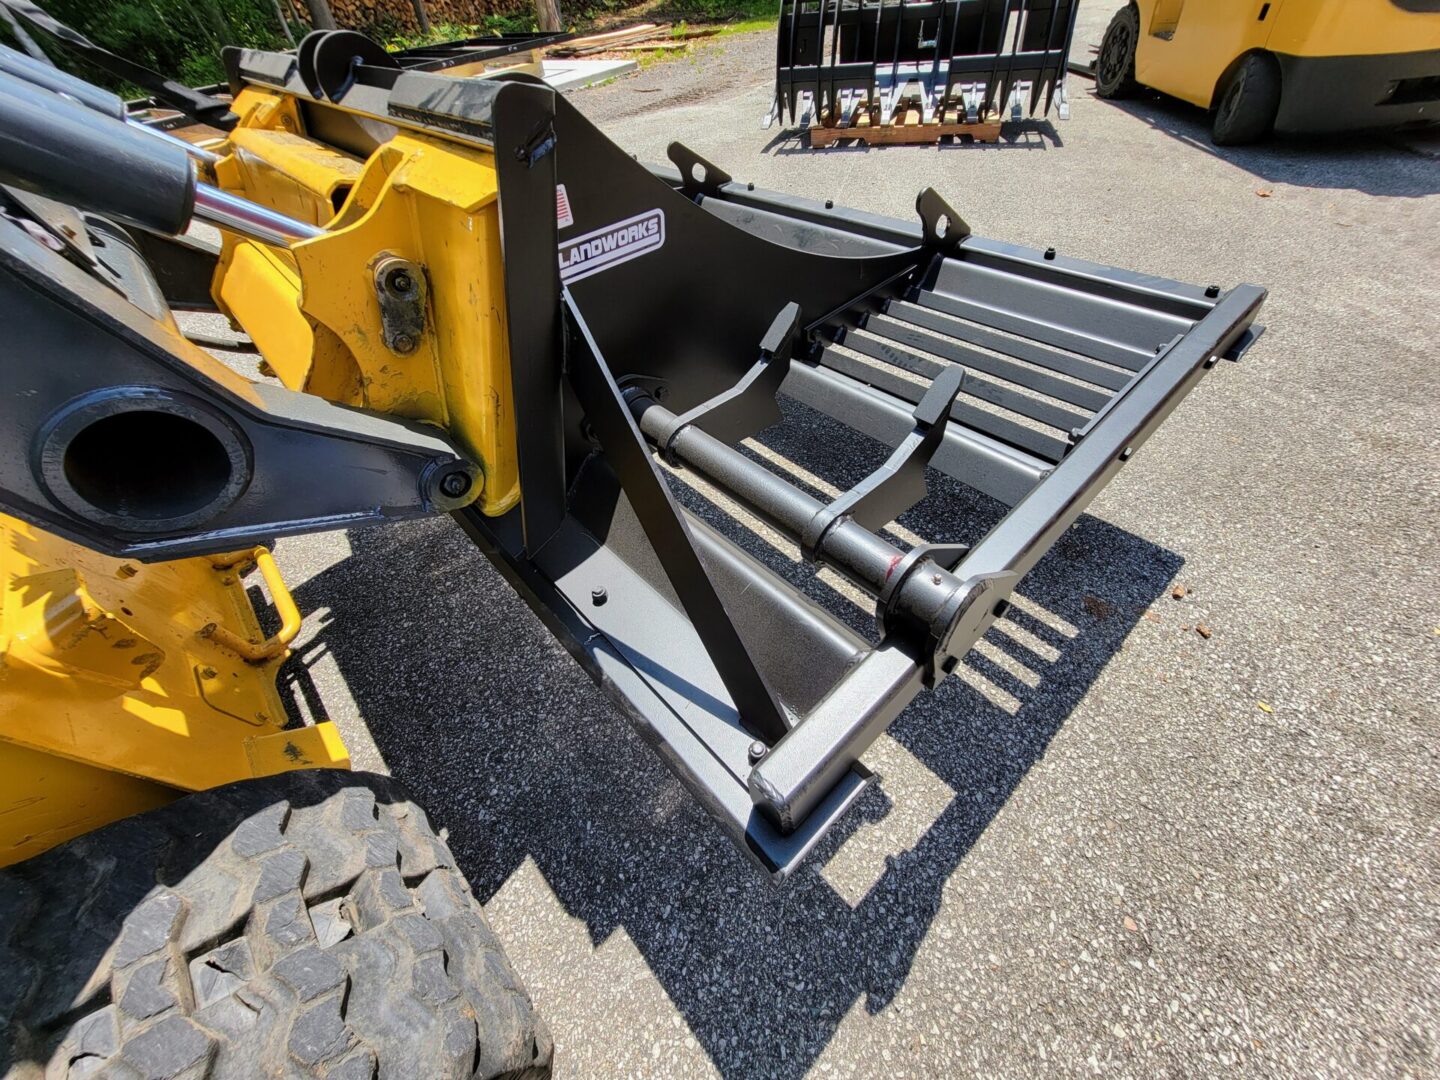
{"x":563,"y":216}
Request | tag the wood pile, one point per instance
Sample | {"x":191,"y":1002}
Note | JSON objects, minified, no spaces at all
{"x":641,"y":38}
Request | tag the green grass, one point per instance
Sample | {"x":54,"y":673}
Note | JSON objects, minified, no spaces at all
{"x":733,"y":15}
{"x":521,"y":23}
{"x":745,"y":26}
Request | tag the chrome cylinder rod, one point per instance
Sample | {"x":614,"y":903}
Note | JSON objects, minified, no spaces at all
{"x":248,"y":219}
{"x":199,"y":153}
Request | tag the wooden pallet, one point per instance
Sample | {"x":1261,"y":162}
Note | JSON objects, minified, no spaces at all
{"x":905,"y":127}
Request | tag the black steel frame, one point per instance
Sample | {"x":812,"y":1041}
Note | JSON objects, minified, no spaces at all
{"x":833,"y":57}
{"x":1029,"y":376}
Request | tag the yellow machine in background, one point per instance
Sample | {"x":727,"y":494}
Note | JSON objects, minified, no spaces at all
{"x":1290,"y":66}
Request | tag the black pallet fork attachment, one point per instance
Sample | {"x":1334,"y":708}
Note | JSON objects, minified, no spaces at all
{"x":974,"y":58}
{"x":681,"y":303}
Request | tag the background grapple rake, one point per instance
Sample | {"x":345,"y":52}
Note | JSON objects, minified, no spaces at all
{"x":833,"y":57}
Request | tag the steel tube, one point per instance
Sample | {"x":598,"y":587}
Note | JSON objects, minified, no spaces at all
{"x":248,"y":219}
{"x":199,"y":153}
{"x":55,"y":146}
{"x":48,"y":77}
{"x":851,"y":549}
{"x":847,"y":546}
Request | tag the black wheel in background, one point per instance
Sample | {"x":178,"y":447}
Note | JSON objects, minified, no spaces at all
{"x":1247,"y":103}
{"x":1115,"y":65}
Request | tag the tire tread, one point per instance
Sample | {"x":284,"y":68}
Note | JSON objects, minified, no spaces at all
{"x":180,"y":943}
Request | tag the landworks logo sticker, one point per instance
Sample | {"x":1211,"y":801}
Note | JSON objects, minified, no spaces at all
{"x":612,"y":245}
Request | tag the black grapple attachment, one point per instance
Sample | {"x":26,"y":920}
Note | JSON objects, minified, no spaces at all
{"x":836,"y":59}
{"x":654,"y":318}
{"x":681,"y":304}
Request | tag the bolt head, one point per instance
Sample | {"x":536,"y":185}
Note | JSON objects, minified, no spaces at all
{"x":757,"y":751}
{"x":399,"y":281}
{"x":598,"y":596}
{"x":404,"y":343}
{"x":454,"y":484}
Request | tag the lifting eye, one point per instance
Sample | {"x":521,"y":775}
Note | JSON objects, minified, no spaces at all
{"x":142,"y":460}
{"x":147,"y":465}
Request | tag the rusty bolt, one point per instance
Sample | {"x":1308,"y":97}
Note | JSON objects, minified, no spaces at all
{"x":404,"y":343}
{"x":208,"y":672}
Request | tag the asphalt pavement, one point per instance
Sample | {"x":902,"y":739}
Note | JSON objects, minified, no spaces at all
{"x":1120,"y":847}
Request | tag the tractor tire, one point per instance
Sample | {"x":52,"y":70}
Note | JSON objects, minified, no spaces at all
{"x":1247,"y":103}
{"x":1115,"y":64}
{"x":303,"y":925}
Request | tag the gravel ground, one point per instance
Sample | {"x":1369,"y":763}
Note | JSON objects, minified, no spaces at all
{"x":1111,"y":844}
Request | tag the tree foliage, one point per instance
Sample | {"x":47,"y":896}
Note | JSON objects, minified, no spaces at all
{"x":178,"y":38}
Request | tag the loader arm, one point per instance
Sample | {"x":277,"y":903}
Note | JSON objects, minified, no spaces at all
{"x":630,"y":321}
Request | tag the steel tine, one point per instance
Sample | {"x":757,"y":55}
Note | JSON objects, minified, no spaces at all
{"x":794,"y":25}
{"x":990,"y":85}
{"x":875,"y":59}
{"x":1042,"y":77}
{"x":895,"y":57}
{"x":1022,"y":16}
{"x":820,"y":25}
{"x":834,"y":105}
{"x":935,"y":59}
{"x":950,"y":52}
{"x":1059,"y":78}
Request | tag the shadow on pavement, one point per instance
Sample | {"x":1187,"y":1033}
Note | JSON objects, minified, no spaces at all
{"x":500,"y":735}
{"x":1394,"y":163}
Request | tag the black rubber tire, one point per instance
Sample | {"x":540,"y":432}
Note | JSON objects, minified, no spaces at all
{"x":1115,"y":63}
{"x":1246,"y":105}
{"x":309,"y":924}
